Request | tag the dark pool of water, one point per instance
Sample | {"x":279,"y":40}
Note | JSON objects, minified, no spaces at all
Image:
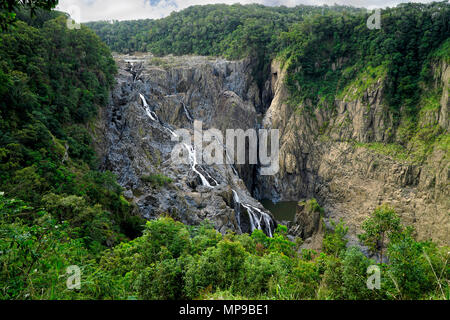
{"x":282,"y":211}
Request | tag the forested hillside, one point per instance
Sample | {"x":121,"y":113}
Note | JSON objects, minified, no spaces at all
{"x":234,"y":31}
{"x":325,"y":48}
{"x":53,"y":80}
{"x":402,"y":48}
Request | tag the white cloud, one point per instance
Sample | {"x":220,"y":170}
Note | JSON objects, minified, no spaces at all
{"x":91,"y":10}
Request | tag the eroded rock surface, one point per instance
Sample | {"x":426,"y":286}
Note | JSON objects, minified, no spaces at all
{"x":136,"y":136}
{"x":323,"y":153}
{"x":323,"y":156}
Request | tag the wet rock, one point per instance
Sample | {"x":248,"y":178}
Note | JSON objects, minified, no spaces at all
{"x":135,"y":135}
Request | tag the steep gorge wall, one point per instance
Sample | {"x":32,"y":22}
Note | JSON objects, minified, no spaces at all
{"x":325,"y":154}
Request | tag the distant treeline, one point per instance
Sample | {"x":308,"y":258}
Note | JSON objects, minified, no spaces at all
{"x":234,"y":31}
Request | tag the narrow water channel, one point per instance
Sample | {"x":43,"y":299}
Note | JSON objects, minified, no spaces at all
{"x":282,"y":211}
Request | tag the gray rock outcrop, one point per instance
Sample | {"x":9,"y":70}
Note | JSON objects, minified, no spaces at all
{"x":135,"y":137}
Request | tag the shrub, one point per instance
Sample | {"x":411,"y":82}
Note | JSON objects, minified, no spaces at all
{"x":382,"y":225}
{"x":157,"y":180}
{"x":354,"y":275}
{"x":334,"y":242}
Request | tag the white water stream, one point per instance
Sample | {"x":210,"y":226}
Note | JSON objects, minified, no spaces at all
{"x":193,"y":160}
{"x":256,"y":216}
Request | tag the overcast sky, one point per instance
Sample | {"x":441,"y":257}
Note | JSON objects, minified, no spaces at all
{"x":92,"y":10}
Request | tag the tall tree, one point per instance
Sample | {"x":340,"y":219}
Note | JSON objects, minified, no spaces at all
{"x":382,"y":225}
{"x":8,"y":9}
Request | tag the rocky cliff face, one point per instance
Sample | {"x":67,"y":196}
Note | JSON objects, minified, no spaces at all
{"x":136,"y":135}
{"x":308,"y":224}
{"x":324,"y":155}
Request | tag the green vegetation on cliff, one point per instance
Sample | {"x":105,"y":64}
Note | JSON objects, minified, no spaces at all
{"x":324,"y":53}
{"x":9,"y":8}
{"x":329,"y":52}
{"x":324,"y":48}
{"x":233,"y":31}
{"x":53,"y":80}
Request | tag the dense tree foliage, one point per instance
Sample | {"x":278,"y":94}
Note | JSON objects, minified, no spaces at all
{"x":325,"y":49}
{"x":381,"y":227}
{"x":52,"y":82}
{"x":174,"y":261}
{"x":9,"y":8}
{"x":235,"y":31}
{"x":325,"y":53}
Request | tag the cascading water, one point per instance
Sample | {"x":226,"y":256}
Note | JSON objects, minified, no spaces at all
{"x":258,"y":219}
{"x":193,"y":160}
{"x":190,"y":149}
{"x":188,"y":114}
{"x":267,"y":220}
{"x":211,"y":177}
{"x":186,"y":110}
{"x":133,"y":70}
{"x":170,"y":130}
{"x":255,"y":215}
{"x":237,"y":208}
{"x":153,"y":116}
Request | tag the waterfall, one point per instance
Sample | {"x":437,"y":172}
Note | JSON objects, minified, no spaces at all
{"x":210,"y":177}
{"x":193,"y":160}
{"x":192,"y":156}
{"x":267,"y":219}
{"x":186,"y":111}
{"x":258,"y":219}
{"x":237,"y":208}
{"x":254,"y":223}
{"x":255,"y":215}
{"x":132,"y":70}
{"x":152,"y":115}
{"x":170,"y":130}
